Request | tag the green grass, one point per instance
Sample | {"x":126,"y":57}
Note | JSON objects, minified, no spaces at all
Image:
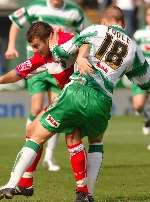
{"x":125,"y":175}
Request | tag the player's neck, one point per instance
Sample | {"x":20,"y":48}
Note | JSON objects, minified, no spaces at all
{"x":55,"y":6}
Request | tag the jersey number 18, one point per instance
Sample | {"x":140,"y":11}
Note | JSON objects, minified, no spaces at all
{"x":114,"y":56}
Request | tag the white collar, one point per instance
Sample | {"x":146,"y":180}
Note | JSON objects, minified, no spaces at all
{"x":119,"y":26}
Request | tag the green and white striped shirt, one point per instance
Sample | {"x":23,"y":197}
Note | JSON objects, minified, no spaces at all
{"x":69,"y":17}
{"x":142,"y":37}
{"x":112,"y":54}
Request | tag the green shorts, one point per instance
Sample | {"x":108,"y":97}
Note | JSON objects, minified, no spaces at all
{"x":136,"y":90}
{"x":42,"y":82}
{"x":78,"y":107}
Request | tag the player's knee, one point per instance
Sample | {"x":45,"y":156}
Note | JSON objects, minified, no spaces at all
{"x":138,"y":106}
{"x":138,"y":102}
{"x":28,"y":128}
{"x":39,"y":138}
{"x":73,"y":138}
{"x":29,"y":131}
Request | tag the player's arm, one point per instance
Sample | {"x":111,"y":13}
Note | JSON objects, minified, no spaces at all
{"x":84,"y":66}
{"x":26,"y":69}
{"x":139,"y":73}
{"x":31,"y":66}
{"x":11,"y":51}
{"x":59,"y":51}
{"x":20,"y":18}
{"x":10,"y":77}
{"x":64,"y":51}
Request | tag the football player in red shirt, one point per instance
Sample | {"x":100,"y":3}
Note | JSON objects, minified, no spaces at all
{"x":38,"y":37}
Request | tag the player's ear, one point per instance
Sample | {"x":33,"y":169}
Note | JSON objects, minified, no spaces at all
{"x":53,"y":39}
{"x":122,"y":23}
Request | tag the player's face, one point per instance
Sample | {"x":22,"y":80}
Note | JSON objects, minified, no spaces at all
{"x":56,"y":3}
{"x":147,"y":17}
{"x":40,"y":46}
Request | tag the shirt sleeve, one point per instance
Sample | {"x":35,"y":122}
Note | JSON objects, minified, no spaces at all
{"x":79,"y":23}
{"x":22,"y":17}
{"x":70,"y":47}
{"x":140,"y":72}
{"x":26,"y":68}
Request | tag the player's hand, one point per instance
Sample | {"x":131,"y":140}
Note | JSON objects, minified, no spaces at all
{"x":53,"y":40}
{"x":11,"y":53}
{"x":84,"y":66}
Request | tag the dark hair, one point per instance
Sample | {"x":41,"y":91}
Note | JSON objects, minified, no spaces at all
{"x":113,"y":12}
{"x":39,"y":29}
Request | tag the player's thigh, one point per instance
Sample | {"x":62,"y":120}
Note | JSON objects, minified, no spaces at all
{"x":37,"y":132}
{"x":95,"y":129}
{"x":31,"y":126}
{"x":36,"y":87}
{"x":139,"y":97}
{"x":61,"y":115}
{"x":97,"y":113}
{"x":138,"y":101}
{"x":52,"y":96}
{"x":37,"y":101}
{"x":52,"y":88}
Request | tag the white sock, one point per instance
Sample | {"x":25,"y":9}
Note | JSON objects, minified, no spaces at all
{"x":24,"y":159}
{"x":50,"y":148}
{"x":95,"y":157}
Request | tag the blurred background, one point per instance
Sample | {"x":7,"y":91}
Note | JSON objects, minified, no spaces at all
{"x":18,"y":106}
{"x":92,"y":8}
{"x":125,"y":176}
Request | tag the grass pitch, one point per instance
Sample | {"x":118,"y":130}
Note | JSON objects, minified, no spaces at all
{"x":125,"y":176}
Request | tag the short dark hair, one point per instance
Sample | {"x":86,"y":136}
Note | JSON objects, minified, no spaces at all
{"x":39,"y":29}
{"x":113,"y":12}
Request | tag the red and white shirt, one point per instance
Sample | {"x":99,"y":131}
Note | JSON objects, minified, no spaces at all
{"x":38,"y":63}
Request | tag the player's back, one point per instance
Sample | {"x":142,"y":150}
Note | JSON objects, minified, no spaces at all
{"x":112,"y":53}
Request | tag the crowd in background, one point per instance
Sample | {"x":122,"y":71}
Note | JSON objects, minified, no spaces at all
{"x":133,"y":10}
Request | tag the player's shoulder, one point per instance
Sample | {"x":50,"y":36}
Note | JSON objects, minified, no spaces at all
{"x":96,"y":28}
